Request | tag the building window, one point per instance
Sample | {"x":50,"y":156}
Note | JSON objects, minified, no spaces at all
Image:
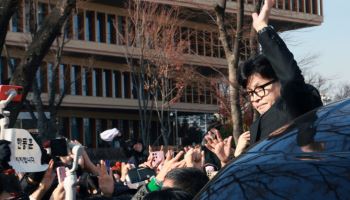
{"x":27,"y":16}
{"x":42,"y":13}
{"x":90,"y":25}
{"x":88,"y":139}
{"x":17,"y":19}
{"x":193,"y":41}
{"x":101,"y":27}
{"x":111,"y":32}
{"x":126,"y":85}
{"x":185,"y":37}
{"x":208,"y":44}
{"x":201,"y":42}
{"x":78,"y":26}
{"x":76,"y":80}
{"x":108,"y":86}
{"x":75,"y":132}
{"x":61,"y":78}
{"x":117,"y":79}
{"x":121,"y":30}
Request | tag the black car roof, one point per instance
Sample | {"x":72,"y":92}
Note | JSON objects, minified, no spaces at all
{"x":315,"y":146}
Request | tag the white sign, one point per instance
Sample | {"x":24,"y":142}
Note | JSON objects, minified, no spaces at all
{"x":25,"y":152}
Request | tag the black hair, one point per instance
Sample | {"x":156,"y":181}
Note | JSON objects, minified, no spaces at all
{"x":258,"y":64}
{"x":189,"y":179}
{"x":168,"y":194}
{"x":9,"y":183}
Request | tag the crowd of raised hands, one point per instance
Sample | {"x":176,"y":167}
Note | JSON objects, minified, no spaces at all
{"x":222,"y":148}
{"x":189,"y":157}
{"x":109,"y":183}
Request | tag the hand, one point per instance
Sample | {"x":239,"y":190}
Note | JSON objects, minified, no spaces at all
{"x":45,"y":183}
{"x":49,"y":177}
{"x":243,"y":143}
{"x":58,"y":193}
{"x":85,"y":162}
{"x":221,"y":148}
{"x":149,"y":163}
{"x":105,"y":180}
{"x":194,"y":157}
{"x":260,"y":21}
{"x":125,"y":169}
{"x":170,"y":163}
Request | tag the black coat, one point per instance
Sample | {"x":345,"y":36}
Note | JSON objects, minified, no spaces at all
{"x":296,"y":96}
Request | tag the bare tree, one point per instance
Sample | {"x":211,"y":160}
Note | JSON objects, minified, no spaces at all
{"x":40,"y":45}
{"x":232,"y":57}
{"x":7,"y":9}
{"x":342,"y":92}
{"x":154,"y":54}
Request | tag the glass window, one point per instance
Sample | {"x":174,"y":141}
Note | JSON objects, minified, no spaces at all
{"x":185,"y":37}
{"x":87,"y":132}
{"x":117,"y":84}
{"x":61,"y":78}
{"x":193,"y":41}
{"x":90,"y":25}
{"x":127,"y":85}
{"x":27,"y":16}
{"x":111,"y":32}
{"x":17,"y":19}
{"x":74,"y":129}
{"x":101,"y":27}
{"x":107,"y":83}
{"x":121,"y":30}
{"x":201,"y":41}
{"x":42,"y":12}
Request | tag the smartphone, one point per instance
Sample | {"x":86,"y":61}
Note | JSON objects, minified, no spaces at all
{"x":158,"y":157}
{"x":137,"y":175}
{"x":61,"y":174}
{"x":58,"y":147}
{"x":4,"y":92}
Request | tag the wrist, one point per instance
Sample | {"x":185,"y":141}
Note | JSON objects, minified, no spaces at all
{"x":260,"y":27}
{"x":154,"y":185}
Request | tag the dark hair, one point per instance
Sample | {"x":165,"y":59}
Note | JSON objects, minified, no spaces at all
{"x":9,"y":183}
{"x":189,"y":179}
{"x":168,"y":194}
{"x":258,"y":64}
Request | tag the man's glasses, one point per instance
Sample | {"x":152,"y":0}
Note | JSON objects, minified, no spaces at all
{"x":259,"y":90}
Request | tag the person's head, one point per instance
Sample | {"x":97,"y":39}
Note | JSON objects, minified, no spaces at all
{"x":138,"y":147}
{"x":168,"y":194}
{"x":258,"y":78}
{"x":189,"y":179}
{"x":10,"y":186}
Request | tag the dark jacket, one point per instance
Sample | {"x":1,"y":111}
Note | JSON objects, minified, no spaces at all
{"x":296,"y":96}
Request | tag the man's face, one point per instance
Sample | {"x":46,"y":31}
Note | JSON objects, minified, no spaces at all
{"x":263,"y":92}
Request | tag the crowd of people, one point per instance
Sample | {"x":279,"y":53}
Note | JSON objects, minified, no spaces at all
{"x":276,"y":88}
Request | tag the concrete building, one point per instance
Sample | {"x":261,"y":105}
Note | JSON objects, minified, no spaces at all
{"x":100,"y":94}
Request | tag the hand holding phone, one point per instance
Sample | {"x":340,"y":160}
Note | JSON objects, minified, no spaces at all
{"x":61,"y":174}
{"x":158,"y":157}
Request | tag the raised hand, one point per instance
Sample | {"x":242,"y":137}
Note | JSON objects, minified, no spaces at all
{"x":194,"y":157}
{"x":105,"y":180}
{"x":261,"y":20}
{"x":58,"y":193}
{"x":221,"y":148}
{"x":45,"y":183}
{"x":170,"y":163}
{"x":243,"y":143}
